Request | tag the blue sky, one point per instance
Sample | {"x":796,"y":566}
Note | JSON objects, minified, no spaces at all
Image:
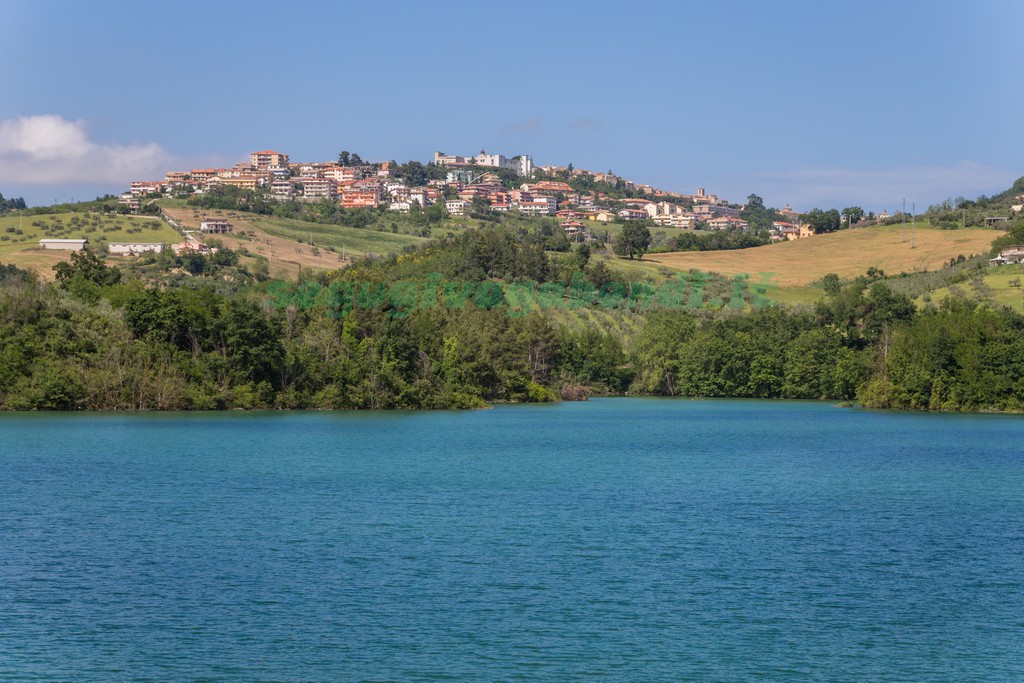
{"x":824,"y":104}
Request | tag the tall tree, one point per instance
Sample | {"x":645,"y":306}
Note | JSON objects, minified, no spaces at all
{"x":822,"y":221}
{"x":634,"y":241}
{"x":758,"y":216}
{"x":852,"y":214}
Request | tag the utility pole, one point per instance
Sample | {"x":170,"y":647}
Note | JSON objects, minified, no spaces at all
{"x":904,"y":212}
{"x":913,"y":222}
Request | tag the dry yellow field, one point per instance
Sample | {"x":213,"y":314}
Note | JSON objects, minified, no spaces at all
{"x":847,"y":253}
{"x":286,"y":256}
{"x":40,"y":260}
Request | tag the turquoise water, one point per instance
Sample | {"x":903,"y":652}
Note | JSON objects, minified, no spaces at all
{"x":618,"y":539}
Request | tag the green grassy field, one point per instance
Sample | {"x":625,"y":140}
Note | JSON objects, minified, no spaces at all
{"x":998,"y":288}
{"x":22,"y":249}
{"x":355,"y":241}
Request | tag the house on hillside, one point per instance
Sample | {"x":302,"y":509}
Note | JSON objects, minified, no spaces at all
{"x":576,"y":231}
{"x":783,"y":231}
{"x":727,"y":223}
{"x":361,"y":197}
{"x":134,"y":248}
{"x":457,"y":207}
{"x":678,"y":220}
{"x":632,"y":214}
{"x":1014,"y":254}
{"x":538,"y":206}
{"x":997,"y":220}
{"x":215,"y":226}
{"x":192,"y":245}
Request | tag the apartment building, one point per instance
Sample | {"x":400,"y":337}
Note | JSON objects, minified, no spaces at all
{"x":268,"y":159}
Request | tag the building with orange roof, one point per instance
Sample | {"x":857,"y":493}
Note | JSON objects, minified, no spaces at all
{"x":268,"y":159}
{"x":361,"y":197}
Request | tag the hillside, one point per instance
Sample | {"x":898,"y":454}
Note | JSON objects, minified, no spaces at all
{"x":286,"y":242}
{"x":847,"y":253}
{"x":20,"y":235}
{"x":995,"y":286}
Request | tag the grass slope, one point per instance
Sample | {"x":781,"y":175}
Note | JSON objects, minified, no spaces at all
{"x":620,"y":323}
{"x":23,"y":250}
{"x":285,"y":241}
{"x":847,"y":253}
{"x":998,"y":288}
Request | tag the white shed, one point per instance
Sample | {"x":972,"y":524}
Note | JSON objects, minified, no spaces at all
{"x":63,"y":245}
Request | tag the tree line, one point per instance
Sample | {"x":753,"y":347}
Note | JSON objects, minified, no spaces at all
{"x":12,"y":204}
{"x":103,"y":338}
{"x":863,"y":343}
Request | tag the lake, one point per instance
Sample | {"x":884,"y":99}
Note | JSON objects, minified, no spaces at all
{"x":616,"y":539}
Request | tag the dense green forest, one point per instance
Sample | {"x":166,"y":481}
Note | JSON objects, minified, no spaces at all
{"x":97,"y":340}
{"x":103,"y":337}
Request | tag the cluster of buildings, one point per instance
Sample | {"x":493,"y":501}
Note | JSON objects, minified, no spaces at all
{"x":521,"y":164}
{"x":469,"y":181}
{"x":1014,"y":254}
{"x":192,"y":243}
{"x":784,"y":230}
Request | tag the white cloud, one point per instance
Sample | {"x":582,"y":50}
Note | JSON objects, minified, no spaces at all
{"x":50,"y":150}
{"x":880,"y":188}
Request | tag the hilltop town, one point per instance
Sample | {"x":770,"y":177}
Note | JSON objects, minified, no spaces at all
{"x":464,"y":184}
{"x":455,"y":283}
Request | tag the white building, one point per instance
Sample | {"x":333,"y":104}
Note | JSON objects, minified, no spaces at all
{"x":134,"y":248}
{"x":215,"y":226}
{"x":538,"y":206}
{"x":282,"y":189}
{"x":63,"y":245}
{"x":420,"y":196}
{"x":521,"y":163}
{"x":677,"y":220}
{"x":319,"y":188}
{"x":456,"y":207}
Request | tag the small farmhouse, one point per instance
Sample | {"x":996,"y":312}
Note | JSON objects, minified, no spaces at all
{"x":135,"y":248}
{"x":1014,"y":254}
{"x":214,"y":227}
{"x":63,"y":245}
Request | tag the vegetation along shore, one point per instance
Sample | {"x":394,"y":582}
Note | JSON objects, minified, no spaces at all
{"x":365,"y":310}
